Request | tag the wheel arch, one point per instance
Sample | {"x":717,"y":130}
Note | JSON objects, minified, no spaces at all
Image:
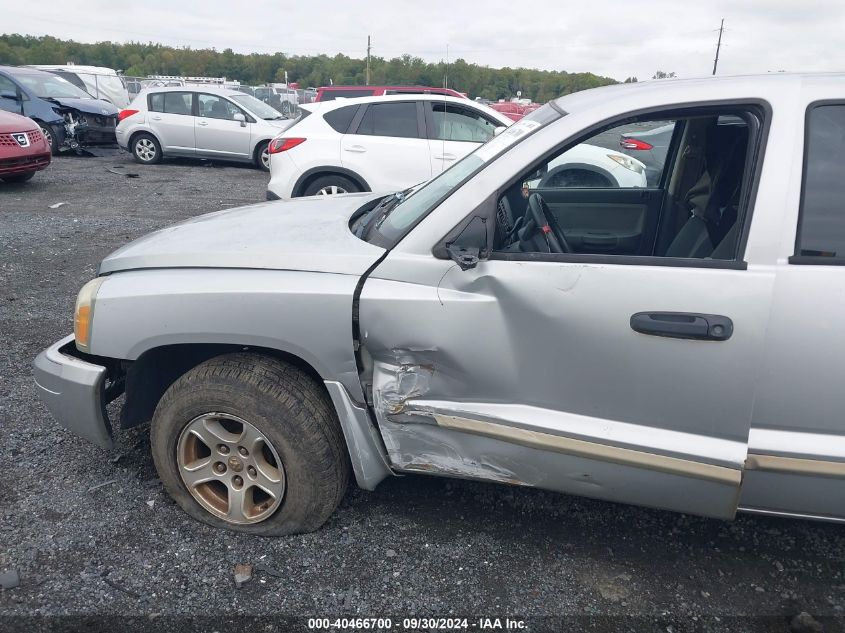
{"x":258,"y":144}
{"x":327,"y":170}
{"x":152,"y":373}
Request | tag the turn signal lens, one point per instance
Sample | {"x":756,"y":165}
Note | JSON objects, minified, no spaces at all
{"x":281,"y":144}
{"x":83,"y":314}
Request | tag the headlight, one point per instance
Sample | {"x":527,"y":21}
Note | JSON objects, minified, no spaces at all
{"x":83,"y":314}
{"x":627,"y":162}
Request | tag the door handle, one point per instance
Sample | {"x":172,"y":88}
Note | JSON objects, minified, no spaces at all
{"x":156,"y":118}
{"x":687,"y":325}
{"x":446,"y":156}
{"x":358,"y":149}
{"x":203,"y":123}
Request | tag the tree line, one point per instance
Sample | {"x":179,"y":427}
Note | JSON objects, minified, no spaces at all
{"x":140,"y":59}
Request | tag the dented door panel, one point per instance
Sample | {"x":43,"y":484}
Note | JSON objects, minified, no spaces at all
{"x":529,"y":373}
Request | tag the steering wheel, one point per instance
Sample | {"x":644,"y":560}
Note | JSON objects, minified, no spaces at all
{"x":547,"y":223}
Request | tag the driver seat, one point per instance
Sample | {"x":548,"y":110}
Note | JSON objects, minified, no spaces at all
{"x":711,"y":198}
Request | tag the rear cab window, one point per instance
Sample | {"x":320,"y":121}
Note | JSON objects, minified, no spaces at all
{"x":821,"y":220}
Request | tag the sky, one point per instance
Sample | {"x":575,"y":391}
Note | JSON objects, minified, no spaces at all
{"x":614,"y":38}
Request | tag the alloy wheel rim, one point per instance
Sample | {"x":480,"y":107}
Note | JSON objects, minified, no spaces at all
{"x":145,"y":149}
{"x":230,"y":468}
{"x":47,"y":136}
{"x":331,"y":190}
{"x":265,"y":157}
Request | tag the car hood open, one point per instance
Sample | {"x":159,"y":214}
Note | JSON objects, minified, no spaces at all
{"x":308,"y":234}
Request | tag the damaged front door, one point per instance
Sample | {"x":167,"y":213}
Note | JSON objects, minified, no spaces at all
{"x":531,"y":373}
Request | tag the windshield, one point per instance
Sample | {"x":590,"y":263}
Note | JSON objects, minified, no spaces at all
{"x":418,"y":204}
{"x":50,"y":86}
{"x":255,"y":106}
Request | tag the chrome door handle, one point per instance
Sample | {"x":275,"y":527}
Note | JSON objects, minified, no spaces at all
{"x":202,"y":122}
{"x":358,"y":149}
{"x":688,"y":325}
{"x":446,"y":156}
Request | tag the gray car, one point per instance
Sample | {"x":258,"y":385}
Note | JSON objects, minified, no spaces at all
{"x":672,"y":346}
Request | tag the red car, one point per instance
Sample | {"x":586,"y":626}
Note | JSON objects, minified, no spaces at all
{"x":327,"y":93}
{"x":512,"y":110}
{"x":23,"y":148}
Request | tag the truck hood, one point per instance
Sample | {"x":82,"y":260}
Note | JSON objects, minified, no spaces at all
{"x":308,"y":234}
{"x":88,"y":106}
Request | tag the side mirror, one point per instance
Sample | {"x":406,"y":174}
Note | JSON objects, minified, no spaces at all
{"x":9,"y":94}
{"x":499,"y":130}
{"x":240,"y":117}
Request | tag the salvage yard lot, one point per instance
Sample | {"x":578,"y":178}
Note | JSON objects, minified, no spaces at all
{"x":94,"y":532}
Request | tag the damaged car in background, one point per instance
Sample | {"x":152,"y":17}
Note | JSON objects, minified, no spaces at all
{"x":69,"y":117}
{"x":635,"y":343}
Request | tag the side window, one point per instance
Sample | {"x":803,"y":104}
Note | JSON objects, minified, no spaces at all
{"x":648,"y":143}
{"x":390,"y":119}
{"x":649,"y":188}
{"x":454,"y":123}
{"x":821,"y":228}
{"x":216,"y":107}
{"x":155,"y":102}
{"x":341,"y":118}
{"x":171,"y":102}
{"x":7,"y":85}
{"x":614,"y":158}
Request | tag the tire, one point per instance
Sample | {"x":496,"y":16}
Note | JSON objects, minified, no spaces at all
{"x":18,"y":177}
{"x":287,"y":408}
{"x":262,"y":156}
{"x":50,"y":135}
{"x":146,"y":149}
{"x":330,"y":185}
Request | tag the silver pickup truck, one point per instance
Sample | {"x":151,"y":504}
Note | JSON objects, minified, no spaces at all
{"x":669,"y":345}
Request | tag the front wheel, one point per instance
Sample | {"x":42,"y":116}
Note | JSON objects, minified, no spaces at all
{"x":252,"y":444}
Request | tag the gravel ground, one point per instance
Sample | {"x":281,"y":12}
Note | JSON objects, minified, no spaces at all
{"x":93,"y":533}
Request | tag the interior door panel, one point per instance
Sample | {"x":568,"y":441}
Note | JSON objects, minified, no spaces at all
{"x":613,"y":222}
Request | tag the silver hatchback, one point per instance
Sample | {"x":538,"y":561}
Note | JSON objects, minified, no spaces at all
{"x":202,"y":122}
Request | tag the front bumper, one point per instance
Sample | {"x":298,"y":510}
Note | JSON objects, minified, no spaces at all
{"x":74,"y":391}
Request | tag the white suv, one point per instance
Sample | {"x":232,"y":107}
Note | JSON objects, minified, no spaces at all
{"x":389,"y":143}
{"x":198,"y":121}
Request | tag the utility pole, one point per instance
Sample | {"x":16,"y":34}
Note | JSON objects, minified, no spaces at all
{"x":446,"y":74}
{"x":718,"y":46}
{"x":368,"y":60}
